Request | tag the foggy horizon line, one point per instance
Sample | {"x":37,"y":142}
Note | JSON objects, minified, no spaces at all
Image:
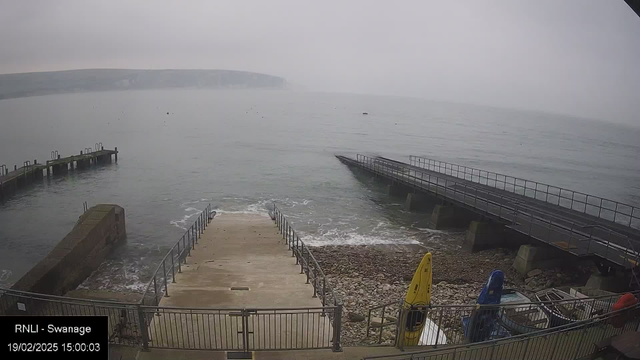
{"x":134,"y":68}
{"x":305,"y":88}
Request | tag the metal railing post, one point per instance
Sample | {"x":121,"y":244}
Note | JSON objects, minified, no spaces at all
{"x":324,"y":293}
{"x":337,"y":328}
{"x":439,"y":324}
{"x":184,"y":247}
{"x":143,"y":329}
{"x":179,"y":261}
{"x":300,"y":259}
{"x":155,"y":289}
{"x":400,"y":328}
{"x":173,"y":270}
{"x":308,"y":265}
{"x":164,"y":275}
{"x":292,"y":247}
{"x":315,"y":286}
{"x":198,"y":229}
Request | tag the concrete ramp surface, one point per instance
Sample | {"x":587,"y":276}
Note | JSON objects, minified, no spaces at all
{"x":240,"y":288}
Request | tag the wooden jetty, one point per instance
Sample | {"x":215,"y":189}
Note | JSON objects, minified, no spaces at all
{"x":10,"y":181}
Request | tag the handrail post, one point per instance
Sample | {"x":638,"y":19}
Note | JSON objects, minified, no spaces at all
{"x":308,"y":265}
{"x":301,"y":260}
{"x":337,"y":328}
{"x":296,"y":248}
{"x":184,"y":247}
{"x":324,"y":293}
{"x":292,"y":248}
{"x":155,"y":289}
{"x":164,"y":275}
{"x":315,"y":285}
{"x":179,"y":261}
{"x":173,"y":270}
{"x":142,"y":324}
{"x":439,"y":324}
{"x":198,"y":229}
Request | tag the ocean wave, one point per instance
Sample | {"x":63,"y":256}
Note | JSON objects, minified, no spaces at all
{"x":352,"y":237}
{"x":259,"y":208}
{"x":182,"y":223}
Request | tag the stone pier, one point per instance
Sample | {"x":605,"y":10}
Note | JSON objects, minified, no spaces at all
{"x":534,"y":257}
{"x":398,"y":190}
{"x":484,"y":235}
{"x":449,"y":216}
{"x":98,"y":231}
{"x":417,"y":202}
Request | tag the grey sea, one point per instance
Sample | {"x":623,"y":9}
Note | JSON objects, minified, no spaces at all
{"x":243,"y":150}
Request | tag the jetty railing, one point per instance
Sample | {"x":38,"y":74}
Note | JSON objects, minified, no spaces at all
{"x":165,"y":272}
{"x":566,"y":342}
{"x":618,"y":212}
{"x":561,"y":233}
{"x":459,"y":324}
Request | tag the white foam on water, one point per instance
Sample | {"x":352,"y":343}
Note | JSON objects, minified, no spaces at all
{"x":257,"y":208}
{"x":118,"y":276}
{"x":351,"y":237}
{"x":187,"y":203}
{"x":182,"y":223}
{"x":430,"y":231}
{"x":5,"y":274}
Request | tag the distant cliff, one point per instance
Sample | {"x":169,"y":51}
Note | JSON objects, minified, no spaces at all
{"x":54,"y":82}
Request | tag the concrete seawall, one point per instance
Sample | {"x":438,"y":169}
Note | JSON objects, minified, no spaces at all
{"x":96,"y":233}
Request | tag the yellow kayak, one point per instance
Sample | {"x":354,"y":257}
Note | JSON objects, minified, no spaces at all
{"x":417,"y":299}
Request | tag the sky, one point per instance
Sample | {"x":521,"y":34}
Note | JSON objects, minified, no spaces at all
{"x":575,"y":57}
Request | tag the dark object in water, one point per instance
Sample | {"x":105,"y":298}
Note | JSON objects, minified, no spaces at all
{"x":167,"y":113}
{"x":212,"y":214}
{"x":365,"y":113}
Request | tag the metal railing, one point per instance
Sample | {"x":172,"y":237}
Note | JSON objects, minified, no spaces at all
{"x":165,"y":272}
{"x":309,"y":266}
{"x":559,"y":232}
{"x":308,"y":263}
{"x":241,"y":329}
{"x":621,"y":213}
{"x":569,"y":341}
{"x":124,"y":321}
{"x":460,"y":324}
{"x":234,"y":329}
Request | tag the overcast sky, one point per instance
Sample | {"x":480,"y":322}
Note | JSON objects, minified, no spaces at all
{"x":570,"y":56}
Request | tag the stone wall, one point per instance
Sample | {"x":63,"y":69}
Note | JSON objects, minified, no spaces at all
{"x":96,"y":233}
